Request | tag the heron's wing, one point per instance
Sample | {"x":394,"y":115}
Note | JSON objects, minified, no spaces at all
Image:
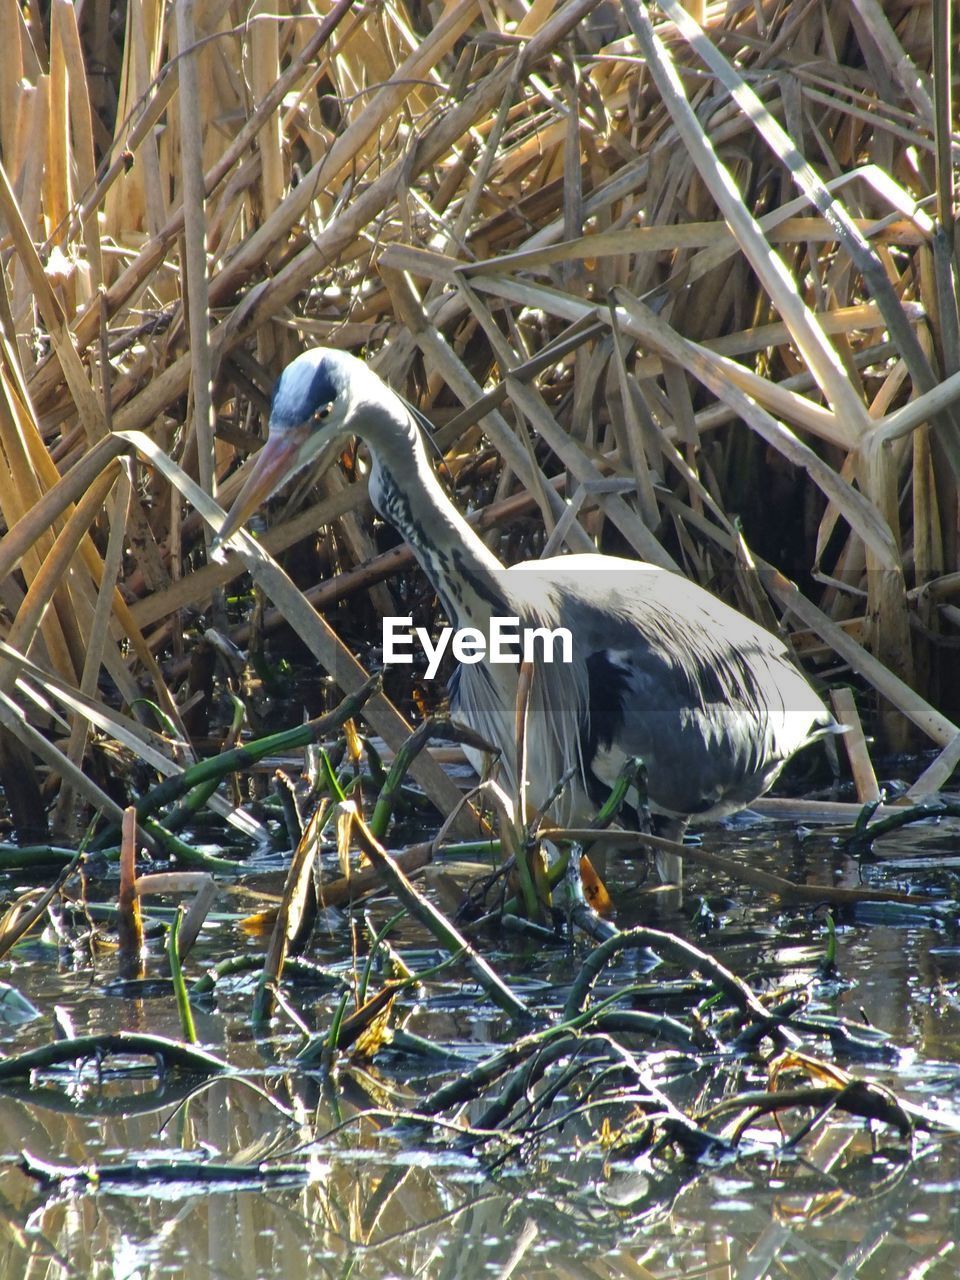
{"x":709,"y":701}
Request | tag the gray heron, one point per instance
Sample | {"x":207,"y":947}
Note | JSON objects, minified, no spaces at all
{"x":659,"y":668}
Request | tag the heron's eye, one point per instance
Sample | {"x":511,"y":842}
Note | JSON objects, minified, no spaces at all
{"x":323,"y":413}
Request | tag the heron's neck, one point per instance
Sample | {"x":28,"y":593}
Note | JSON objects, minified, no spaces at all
{"x":404,"y":490}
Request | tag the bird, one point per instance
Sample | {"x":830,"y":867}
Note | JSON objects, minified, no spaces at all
{"x":659,"y":668}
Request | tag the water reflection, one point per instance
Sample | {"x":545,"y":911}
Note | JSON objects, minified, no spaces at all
{"x":343,"y":1192}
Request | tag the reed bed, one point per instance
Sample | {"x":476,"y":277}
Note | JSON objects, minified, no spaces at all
{"x":675,"y":281}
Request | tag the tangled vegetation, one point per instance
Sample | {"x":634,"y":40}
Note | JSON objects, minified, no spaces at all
{"x":675,"y":281}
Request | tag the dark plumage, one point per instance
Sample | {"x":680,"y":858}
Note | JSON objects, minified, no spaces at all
{"x":661,"y":669}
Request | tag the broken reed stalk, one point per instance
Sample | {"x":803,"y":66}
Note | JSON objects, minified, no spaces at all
{"x":787,"y":890}
{"x":441,"y":928}
{"x":539,"y":213}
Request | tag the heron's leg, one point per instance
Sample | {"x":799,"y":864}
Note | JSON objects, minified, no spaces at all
{"x":670,"y":865}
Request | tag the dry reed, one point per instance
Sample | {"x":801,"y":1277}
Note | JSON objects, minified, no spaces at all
{"x":732,"y":245}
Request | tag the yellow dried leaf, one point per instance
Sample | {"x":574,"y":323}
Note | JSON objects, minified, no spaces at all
{"x":815,"y":1068}
{"x":594,"y":890}
{"x":375,"y":1034}
{"x":260,"y":924}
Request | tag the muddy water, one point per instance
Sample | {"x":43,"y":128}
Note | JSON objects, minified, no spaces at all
{"x":342,"y":1192}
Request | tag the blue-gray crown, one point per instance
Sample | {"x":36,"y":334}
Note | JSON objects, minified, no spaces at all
{"x":314,"y":379}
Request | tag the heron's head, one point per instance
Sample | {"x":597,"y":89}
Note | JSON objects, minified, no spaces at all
{"x":313,"y":402}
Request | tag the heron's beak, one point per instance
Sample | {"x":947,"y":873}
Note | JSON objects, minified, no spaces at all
{"x":277,"y":461}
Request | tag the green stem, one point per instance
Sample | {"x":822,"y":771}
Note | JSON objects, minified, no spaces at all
{"x":863,"y":835}
{"x":179,"y":986}
{"x":237,"y":759}
{"x":187,"y":854}
{"x":173,"y":1053}
{"x":404,"y":758}
{"x":375,"y":947}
